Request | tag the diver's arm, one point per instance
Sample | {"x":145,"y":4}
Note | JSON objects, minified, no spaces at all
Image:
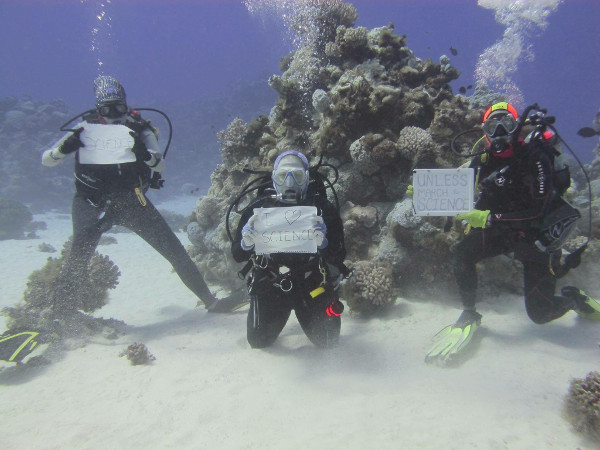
{"x":238,"y":253}
{"x":156,"y":162}
{"x":53,"y":156}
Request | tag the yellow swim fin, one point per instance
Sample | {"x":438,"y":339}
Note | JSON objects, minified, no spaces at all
{"x":585,"y":306}
{"x":453,"y":339}
{"x":16,"y":346}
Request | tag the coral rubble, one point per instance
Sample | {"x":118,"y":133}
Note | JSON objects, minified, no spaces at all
{"x":137,"y":354}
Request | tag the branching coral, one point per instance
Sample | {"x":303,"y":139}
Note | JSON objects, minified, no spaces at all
{"x":39,"y":295}
{"x":582,"y":405}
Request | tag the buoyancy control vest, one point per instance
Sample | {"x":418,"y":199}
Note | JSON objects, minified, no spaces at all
{"x":98,"y":181}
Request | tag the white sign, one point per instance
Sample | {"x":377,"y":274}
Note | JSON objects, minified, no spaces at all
{"x":106,"y":144}
{"x":285,"y":230}
{"x":443,"y":192}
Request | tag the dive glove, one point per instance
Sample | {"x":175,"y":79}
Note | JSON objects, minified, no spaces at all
{"x":72,"y":143}
{"x":409,"y":191}
{"x":139,"y":149}
{"x":249,"y":234}
{"x":319,"y":229}
{"x":476,"y":218}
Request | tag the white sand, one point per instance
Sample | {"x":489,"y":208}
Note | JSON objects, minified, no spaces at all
{"x":209,"y":389}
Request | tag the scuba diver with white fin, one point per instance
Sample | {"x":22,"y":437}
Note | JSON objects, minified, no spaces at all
{"x":117,"y":159}
{"x":283,"y":278}
{"x":520,"y":209}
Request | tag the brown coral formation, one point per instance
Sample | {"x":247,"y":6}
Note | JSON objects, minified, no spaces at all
{"x":582,"y":405}
{"x":370,"y":288}
{"x":362,"y":100}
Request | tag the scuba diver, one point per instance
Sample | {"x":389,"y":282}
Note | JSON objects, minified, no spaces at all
{"x":519,"y":209}
{"x":117,"y":159}
{"x":280,"y":282}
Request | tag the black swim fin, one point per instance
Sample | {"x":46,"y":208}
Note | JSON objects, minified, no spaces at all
{"x":16,"y":346}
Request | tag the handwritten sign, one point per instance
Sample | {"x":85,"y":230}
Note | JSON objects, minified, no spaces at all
{"x":443,"y":192}
{"x":285,"y":230}
{"x":106,"y":144}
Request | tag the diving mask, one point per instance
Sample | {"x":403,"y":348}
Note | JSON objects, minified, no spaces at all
{"x":290,"y":176}
{"x":112,"y":110}
{"x":499,"y":125}
{"x":281,"y":174}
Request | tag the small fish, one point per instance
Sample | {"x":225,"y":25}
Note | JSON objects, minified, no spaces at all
{"x":470,"y":86}
{"x":462,"y":90}
{"x":453,"y":51}
{"x":587,"y":132}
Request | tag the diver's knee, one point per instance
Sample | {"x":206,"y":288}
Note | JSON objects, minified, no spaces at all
{"x":256,"y":339}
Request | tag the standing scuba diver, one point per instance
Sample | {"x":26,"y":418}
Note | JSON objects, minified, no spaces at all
{"x":116,"y":153}
{"x":304,"y":282}
{"x":520,"y":209}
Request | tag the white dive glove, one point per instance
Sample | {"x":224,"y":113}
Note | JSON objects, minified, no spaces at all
{"x":320,"y":229}
{"x":249,"y":234}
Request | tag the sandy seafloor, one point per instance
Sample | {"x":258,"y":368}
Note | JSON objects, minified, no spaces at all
{"x":209,"y":389}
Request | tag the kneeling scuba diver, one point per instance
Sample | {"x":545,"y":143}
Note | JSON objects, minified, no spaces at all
{"x":286,"y":276}
{"x":520,"y":209}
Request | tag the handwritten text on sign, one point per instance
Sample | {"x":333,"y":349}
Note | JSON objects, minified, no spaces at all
{"x":443,"y":192}
{"x":106,"y":144}
{"x":285,"y":230}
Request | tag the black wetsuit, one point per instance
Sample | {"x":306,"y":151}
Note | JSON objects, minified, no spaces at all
{"x":273,"y":295}
{"x":113,"y":194}
{"x":518,"y":191}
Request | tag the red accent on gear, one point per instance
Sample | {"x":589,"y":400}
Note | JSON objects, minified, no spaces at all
{"x":330,"y":312}
{"x":548,"y":135}
{"x":510,"y":108}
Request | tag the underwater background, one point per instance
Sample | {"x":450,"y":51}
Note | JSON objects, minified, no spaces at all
{"x":215,"y":57}
{"x":240,"y":82}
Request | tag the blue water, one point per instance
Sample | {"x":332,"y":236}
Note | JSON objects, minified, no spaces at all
{"x":170,"y":51}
